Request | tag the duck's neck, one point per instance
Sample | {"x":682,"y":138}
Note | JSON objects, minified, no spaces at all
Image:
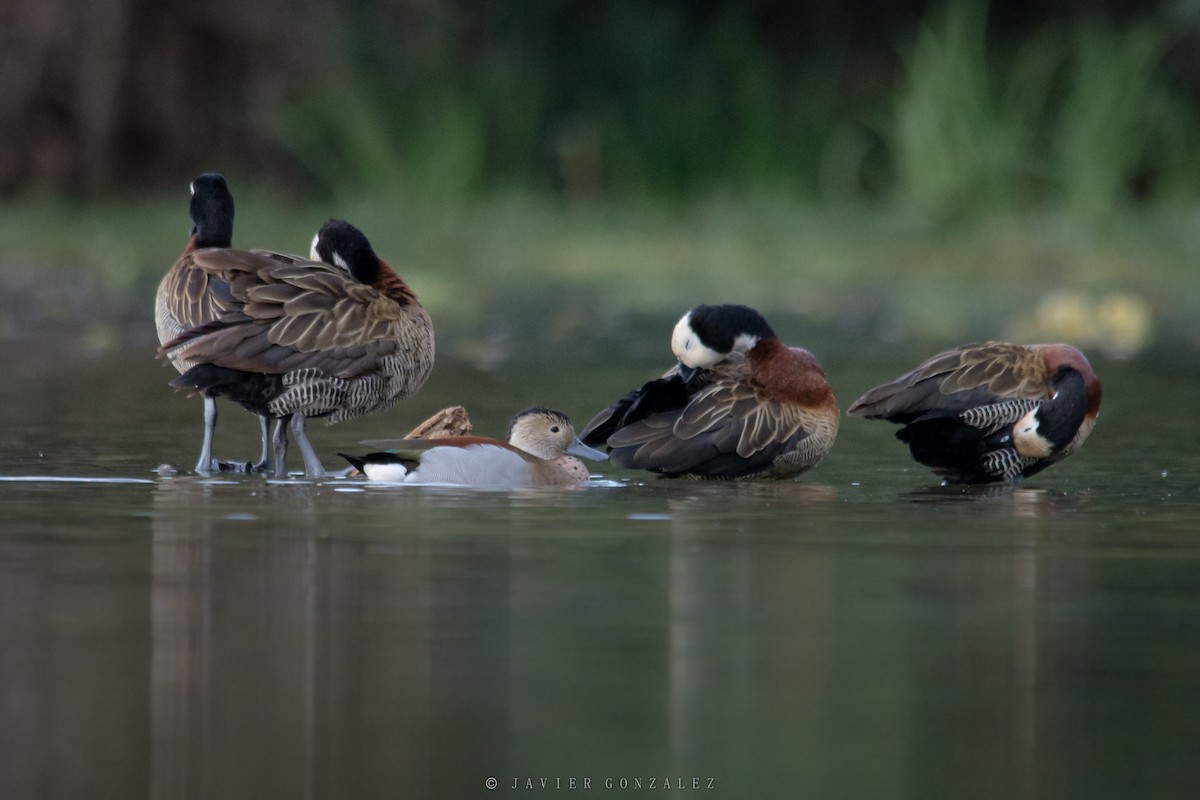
{"x":789,"y":373}
{"x":391,"y":284}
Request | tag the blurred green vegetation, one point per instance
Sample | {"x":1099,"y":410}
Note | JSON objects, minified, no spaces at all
{"x":524,"y":270}
{"x":954,"y":108}
{"x":1091,"y":111}
{"x":1083,"y":117}
{"x":890,"y":170}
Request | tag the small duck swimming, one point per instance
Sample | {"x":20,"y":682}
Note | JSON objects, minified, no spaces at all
{"x":739,"y":405}
{"x":539,"y":452}
{"x":992,"y":411}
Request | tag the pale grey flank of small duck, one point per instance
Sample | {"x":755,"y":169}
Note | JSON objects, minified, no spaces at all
{"x":540,"y":452}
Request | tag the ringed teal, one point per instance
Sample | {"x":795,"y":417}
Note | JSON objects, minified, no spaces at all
{"x":539,"y":452}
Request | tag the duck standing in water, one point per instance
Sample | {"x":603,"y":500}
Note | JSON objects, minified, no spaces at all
{"x":288,"y":338}
{"x":540,"y":452}
{"x":992,"y":411}
{"x":184,"y":299}
{"x":739,"y":405}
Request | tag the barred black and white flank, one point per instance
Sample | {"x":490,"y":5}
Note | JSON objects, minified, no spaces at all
{"x":337,"y":335}
{"x":992,"y":411}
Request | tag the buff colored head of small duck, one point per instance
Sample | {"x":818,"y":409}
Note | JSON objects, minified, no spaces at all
{"x":548,"y":434}
{"x":341,"y":244}
{"x":211,"y":209}
{"x":707,"y":335}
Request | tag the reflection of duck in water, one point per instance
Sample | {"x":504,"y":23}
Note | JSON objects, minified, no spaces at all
{"x":336,"y":336}
{"x":992,"y":411}
{"x":539,"y":452}
{"x":739,"y":405}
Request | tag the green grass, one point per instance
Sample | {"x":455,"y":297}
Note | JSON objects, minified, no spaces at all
{"x":1083,"y":117}
{"x":526,"y":269}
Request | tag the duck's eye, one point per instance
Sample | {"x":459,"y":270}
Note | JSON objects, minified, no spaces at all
{"x":554,"y":429}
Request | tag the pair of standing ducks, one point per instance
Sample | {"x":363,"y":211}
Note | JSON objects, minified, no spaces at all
{"x":340,"y":335}
{"x":337,"y":335}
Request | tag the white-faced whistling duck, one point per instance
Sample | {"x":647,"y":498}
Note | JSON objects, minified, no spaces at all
{"x":740,"y":405}
{"x":336,"y":336}
{"x":992,"y":411}
{"x":183,"y":300}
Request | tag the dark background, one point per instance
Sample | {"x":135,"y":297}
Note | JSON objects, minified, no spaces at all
{"x":610,"y":98}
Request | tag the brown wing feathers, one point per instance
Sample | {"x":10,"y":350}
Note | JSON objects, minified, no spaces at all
{"x":963,"y":378}
{"x":281,"y":314}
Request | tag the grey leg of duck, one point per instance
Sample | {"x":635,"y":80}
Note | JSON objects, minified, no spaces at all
{"x":206,"y":465}
{"x":279,"y":444}
{"x":312,"y":464}
{"x":264,"y":462}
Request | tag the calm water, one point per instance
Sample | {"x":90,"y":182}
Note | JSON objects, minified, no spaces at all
{"x":860,"y":634}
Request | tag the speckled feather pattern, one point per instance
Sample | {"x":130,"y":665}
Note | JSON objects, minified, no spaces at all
{"x":343,"y":349}
{"x":989,"y":387}
{"x":729,"y":413}
{"x":957,"y":379}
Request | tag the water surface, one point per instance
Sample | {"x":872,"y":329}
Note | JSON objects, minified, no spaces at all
{"x":861,"y":633}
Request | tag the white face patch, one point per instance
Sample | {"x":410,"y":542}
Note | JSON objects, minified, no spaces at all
{"x":192,"y":187}
{"x":1026,"y":439}
{"x":338,"y":261}
{"x":688,"y":348}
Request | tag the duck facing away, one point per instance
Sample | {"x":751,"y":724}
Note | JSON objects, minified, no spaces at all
{"x":540,"y":452}
{"x":992,"y":411}
{"x":739,"y":405}
{"x":335,"y":336}
{"x":184,"y":299}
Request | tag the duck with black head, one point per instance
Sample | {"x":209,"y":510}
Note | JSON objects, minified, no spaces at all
{"x":185,"y":299}
{"x":335,"y":336}
{"x":992,"y":411}
{"x":739,"y":405}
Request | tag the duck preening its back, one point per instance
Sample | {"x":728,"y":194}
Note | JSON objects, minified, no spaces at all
{"x":739,"y":405}
{"x":992,"y":411}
